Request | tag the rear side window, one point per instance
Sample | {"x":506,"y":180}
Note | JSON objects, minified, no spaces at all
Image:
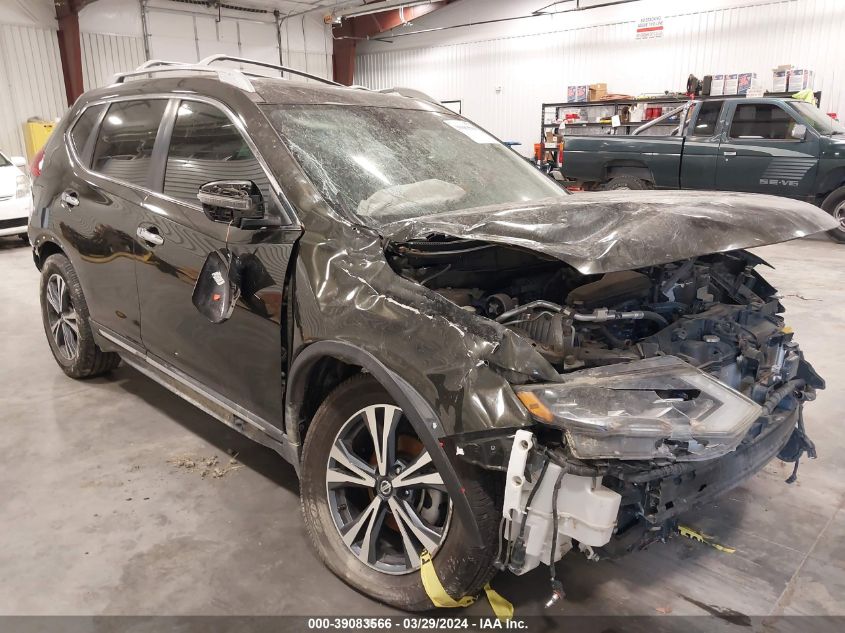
{"x":127,"y":135}
{"x":206,"y":146}
{"x":761,"y":120}
{"x":82,"y":130}
{"x":708,"y":117}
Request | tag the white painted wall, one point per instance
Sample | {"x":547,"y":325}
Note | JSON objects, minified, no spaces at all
{"x":534,"y":60}
{"x":31,"y":82}
{"x":182,"y":32}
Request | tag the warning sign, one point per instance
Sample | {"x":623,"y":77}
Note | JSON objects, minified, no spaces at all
{"x":649,"y":28}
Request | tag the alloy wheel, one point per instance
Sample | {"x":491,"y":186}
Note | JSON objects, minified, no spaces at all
{"x":387,"y":500}
{"x":839,"y":215}
{"x":62,"y":317}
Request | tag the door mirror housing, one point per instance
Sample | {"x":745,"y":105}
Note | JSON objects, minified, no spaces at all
{"x":231,"y":201}
{"x":798,"y":132}
{"x":218,"y":286}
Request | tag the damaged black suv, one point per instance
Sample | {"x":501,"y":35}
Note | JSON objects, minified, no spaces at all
{"x":459,"y":358}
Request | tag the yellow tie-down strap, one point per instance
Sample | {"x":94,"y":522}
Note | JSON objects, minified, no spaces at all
{"x":687,"y":531}
{"x":438,"y":595}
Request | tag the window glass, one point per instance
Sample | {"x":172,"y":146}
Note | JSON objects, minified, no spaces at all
{"x":708,"y":116}
{"x":127,"y":135}
{"x":81,"y":131}
{"x":391,"y":164}
{"x":206,"y":146}
{"x":761,"y":120}
{"x":818,"y":119}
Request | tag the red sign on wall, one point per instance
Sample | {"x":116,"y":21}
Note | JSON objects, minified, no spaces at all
{"x":648,"y":28}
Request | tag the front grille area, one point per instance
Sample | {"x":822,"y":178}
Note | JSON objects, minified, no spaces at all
{"x":10,"y":224}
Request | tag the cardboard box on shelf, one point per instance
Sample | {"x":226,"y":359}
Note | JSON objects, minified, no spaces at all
{"x":800,"y":79}
{"x":597,"y":92}
{"x":717,"y":86}
{"x":780,"y":80}
{"x":747,"y":82}
{"x":577,"y":94}
{"x":731,"y":84}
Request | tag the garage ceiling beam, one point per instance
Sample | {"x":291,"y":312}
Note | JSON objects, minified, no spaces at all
{"x":70,"y":45}
{"x":347,"y":35}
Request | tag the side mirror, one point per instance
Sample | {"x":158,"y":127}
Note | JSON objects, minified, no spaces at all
{"x":18,"y":161}
{"x":798,"y":132}
{"x":218,"y":287}
{"x":231,"y":201}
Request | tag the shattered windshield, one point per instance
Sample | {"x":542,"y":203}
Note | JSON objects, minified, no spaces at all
{"x":387,"y":164}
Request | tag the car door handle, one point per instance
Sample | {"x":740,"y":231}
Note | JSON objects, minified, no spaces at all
{"x":150,"y":234}
{"x":728,"y":153}
{"x":70,"y":198}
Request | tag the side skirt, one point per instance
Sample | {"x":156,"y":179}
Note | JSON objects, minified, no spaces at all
{"x":212,"y":403}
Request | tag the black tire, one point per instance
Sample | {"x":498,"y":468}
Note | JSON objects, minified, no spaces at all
{"x":834,"y":204}
{"x":89,"y":360}
{"x":24,"y":237}
{"x":624,"y":182}
{"x":462,"y":567}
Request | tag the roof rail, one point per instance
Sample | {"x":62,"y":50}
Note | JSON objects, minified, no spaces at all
{"x":220,"y":57}
{"x":234,"y":76}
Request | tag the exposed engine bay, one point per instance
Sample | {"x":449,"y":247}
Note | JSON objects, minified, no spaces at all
{"x":714,"y":312}
{"x":677,"y":381}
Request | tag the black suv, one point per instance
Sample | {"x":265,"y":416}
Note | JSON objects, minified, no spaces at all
{"x":461,"y":360}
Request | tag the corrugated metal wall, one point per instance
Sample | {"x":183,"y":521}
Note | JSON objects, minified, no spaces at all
{"x":531,"y":69}
{"x":103,"y":55}
{"x":31,"y":81}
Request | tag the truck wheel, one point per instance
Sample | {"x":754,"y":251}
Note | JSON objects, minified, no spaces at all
{"x":369,"y":522}
{"x":65,"y":315}
{"x":624,"y":182}
{"x":834,"y":204}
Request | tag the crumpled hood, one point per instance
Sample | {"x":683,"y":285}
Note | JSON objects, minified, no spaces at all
{"x":619,"y":230}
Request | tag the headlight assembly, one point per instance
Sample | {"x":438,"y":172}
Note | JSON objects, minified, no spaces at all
{"x":658,"y":407}
{"x":22,"y":186}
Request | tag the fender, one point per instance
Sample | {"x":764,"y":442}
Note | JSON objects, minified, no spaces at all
{"x":420,"y":414}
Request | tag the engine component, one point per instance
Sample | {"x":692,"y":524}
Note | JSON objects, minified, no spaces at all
{"x":497,"y":304}
{"x":586,"y":510}
{"x":610,"y":290}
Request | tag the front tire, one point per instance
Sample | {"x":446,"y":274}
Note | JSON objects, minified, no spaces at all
{"x":370,"y":533}
{"x":834,"y":204}
{"x":65,"y":316}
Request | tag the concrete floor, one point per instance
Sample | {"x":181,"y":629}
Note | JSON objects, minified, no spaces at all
{"x":98,"y":517}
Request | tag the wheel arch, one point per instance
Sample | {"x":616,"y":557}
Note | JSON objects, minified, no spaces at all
{"x":832,"y":180}
{"x":627,"y":167}
{"x":44,"y":249}
{"x":348,"y":359}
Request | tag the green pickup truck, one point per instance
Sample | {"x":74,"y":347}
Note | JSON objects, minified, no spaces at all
{"x":777,"y":146}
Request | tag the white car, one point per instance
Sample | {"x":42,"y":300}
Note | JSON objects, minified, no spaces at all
{"x":15,"y":196}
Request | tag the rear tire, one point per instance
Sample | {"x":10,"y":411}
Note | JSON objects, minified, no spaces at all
{"x":834,"y":204}
{"x":65,"y":316}
{"x":24,"y":237}
{"x":463,"y":568}
{"x":624,"y":182}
